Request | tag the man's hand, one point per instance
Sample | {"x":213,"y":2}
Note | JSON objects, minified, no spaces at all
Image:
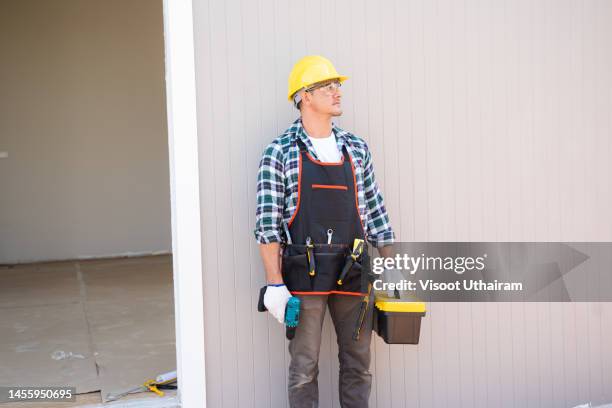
{"x":385,"y":251}
{"x":275,"y":300}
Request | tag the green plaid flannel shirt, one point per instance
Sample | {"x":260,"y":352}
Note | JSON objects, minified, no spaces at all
{"x":277,"y":186}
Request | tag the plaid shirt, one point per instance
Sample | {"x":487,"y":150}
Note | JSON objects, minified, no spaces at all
{"x":277,"y":186}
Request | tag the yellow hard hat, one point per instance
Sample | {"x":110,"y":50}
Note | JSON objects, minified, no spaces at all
{"x":310,"y":70}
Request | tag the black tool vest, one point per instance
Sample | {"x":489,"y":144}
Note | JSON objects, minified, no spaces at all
{"x":327,"y":204}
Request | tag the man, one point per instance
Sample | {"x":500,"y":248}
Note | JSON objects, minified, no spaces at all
{"x":317,"y":195}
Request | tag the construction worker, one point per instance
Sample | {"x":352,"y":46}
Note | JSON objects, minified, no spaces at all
{"x":317,"y":195}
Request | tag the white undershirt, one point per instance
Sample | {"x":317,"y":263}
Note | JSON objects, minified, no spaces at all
{"x":326,"y":148}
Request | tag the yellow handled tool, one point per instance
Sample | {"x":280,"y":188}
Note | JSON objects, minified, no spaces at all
{"x":362,"y":312}
{"x":152,"y":386}
{"x":310,"y":256}
{"x":350,"y":260}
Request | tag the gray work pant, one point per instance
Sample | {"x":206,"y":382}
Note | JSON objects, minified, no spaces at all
{"x":354,"y":356}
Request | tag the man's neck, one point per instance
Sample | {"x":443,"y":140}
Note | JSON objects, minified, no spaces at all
{"x":316,"y":125}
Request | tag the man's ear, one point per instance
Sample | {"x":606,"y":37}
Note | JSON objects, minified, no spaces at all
{"x":305,"y":97}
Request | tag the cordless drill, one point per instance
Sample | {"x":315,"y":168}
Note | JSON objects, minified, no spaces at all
{"x":292,"y":312}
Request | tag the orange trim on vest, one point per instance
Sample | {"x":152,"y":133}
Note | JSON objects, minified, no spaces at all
{"x":337,"y":292}
{"x":330,"y":186}
{"x":297,"y":207}
{"x":340,"y":292}
{"x":312,"y":159}
{"x":356,"y":196}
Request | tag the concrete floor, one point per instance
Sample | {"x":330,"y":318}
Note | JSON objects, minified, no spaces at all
{"x":100,"y":325}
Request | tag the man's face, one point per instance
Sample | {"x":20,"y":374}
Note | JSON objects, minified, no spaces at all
{"x":325,"y":97}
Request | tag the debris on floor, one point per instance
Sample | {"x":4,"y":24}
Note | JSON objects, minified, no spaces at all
{"x":98,"y":325}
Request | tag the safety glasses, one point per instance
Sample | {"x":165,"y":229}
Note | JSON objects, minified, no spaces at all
{"x":329,"y":88}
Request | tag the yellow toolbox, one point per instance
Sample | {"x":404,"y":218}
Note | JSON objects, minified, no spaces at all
{"x":398,"y":321}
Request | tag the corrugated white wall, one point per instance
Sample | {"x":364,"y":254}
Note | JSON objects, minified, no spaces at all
{"x":488,"y":121}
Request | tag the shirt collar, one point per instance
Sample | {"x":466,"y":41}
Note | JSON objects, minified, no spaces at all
{"x":341,"y":136}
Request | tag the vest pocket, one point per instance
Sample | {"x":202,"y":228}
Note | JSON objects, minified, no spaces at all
{"x":330,"y":187}
{"x":331,"y":204}
{"x":329,"y":262}
{"x":356,"y":280}
{"x":329,"y":265}
{"x":295,"y":272}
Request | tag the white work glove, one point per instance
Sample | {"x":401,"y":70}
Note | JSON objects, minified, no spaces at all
{"x":275,"y":300}
{"x":393,"y":276}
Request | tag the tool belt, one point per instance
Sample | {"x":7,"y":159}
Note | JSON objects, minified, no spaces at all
{"x":316,"y":269}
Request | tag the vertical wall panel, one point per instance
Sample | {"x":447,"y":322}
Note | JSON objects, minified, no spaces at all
{"x":250,"y":76}
{"x":203,"y":40}
{"x":486,"y":120}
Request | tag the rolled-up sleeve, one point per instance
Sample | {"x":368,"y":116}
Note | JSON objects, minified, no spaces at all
{"x":270,"y":196}
{"x":379,"y":229}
